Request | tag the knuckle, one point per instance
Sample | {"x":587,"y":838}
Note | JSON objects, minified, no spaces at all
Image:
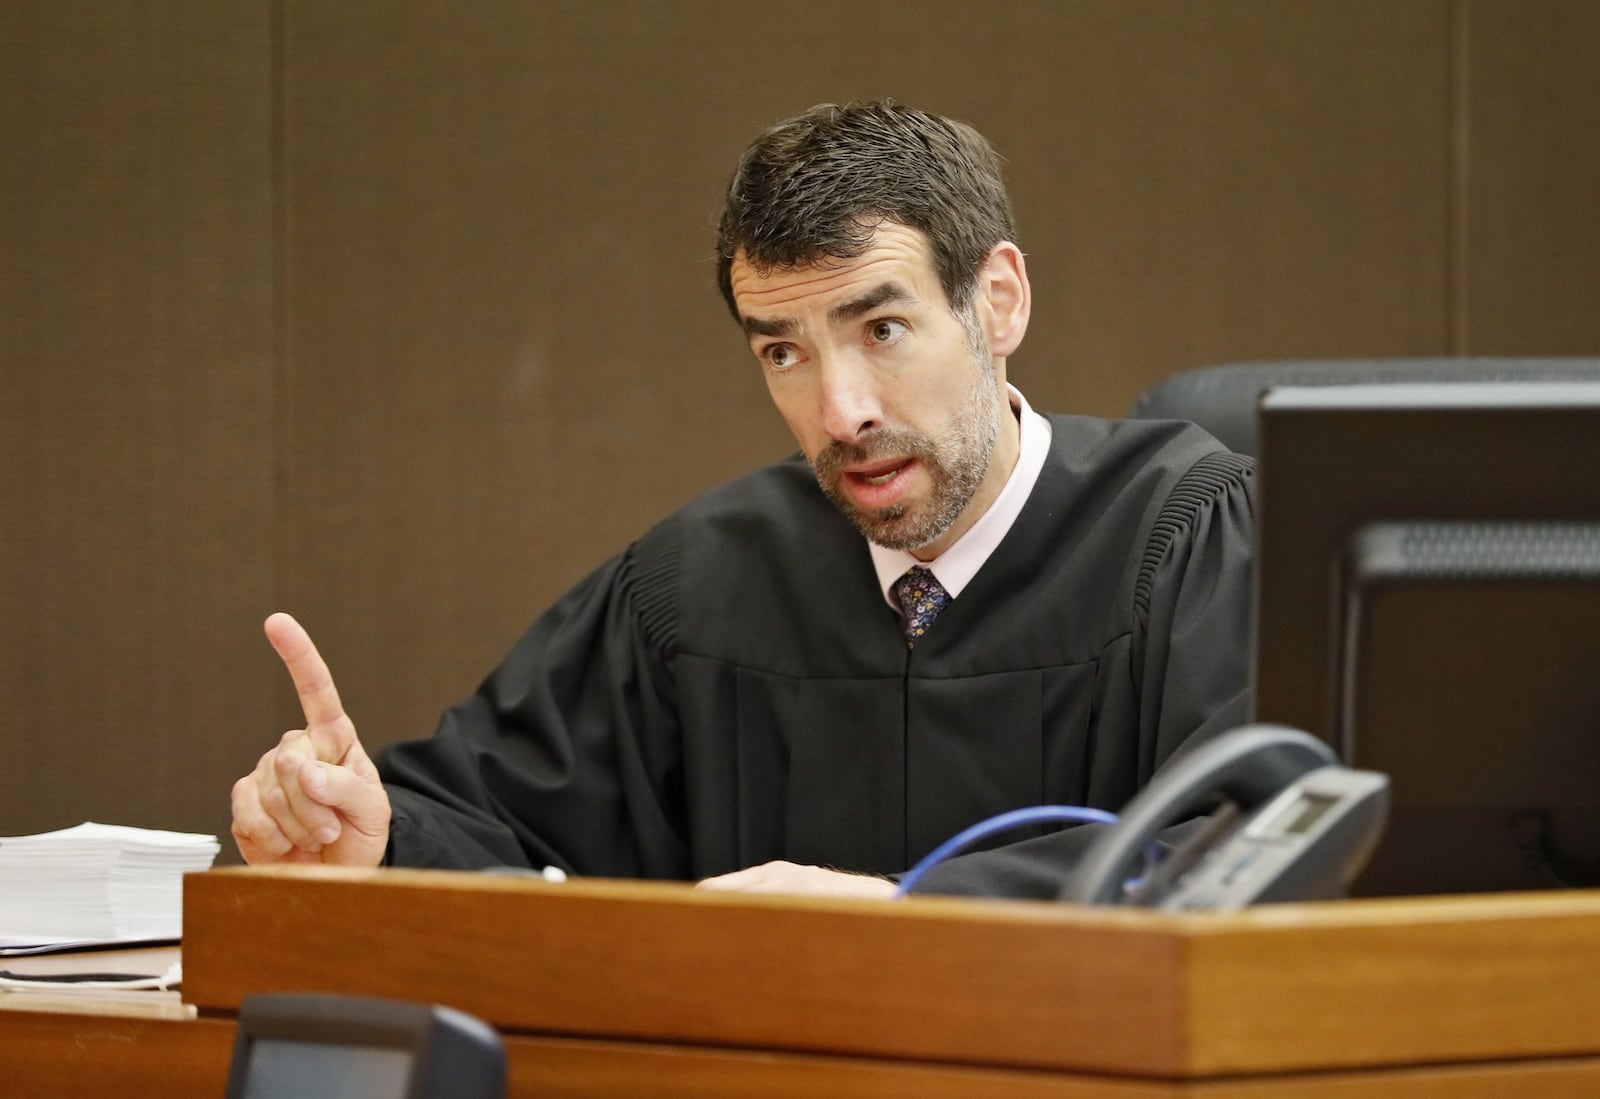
{"x":265,"y":764}
{"x":258,"y":843}
{"x":275,"y":801}
{"x":252,"y":821}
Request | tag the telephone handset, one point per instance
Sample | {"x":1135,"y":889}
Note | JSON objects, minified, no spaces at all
{"x":1293,"y":825}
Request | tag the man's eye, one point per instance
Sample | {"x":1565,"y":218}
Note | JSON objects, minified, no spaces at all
{"x":886,"y":331}
{"x":780,"y":356}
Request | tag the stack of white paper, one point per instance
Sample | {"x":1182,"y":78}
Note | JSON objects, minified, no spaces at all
{"x":96,"y":883}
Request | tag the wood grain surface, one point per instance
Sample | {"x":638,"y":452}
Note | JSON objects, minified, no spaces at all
{"x":1360,"y":984}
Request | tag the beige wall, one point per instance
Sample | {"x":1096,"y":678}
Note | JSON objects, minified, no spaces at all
{"x":400,"y":315}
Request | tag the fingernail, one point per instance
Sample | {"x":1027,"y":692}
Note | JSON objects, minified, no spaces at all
{"x":316,"y":778}
{"x":328,"y":834}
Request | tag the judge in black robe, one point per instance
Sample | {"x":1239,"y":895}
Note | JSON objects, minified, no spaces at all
{"x":734,"y":689}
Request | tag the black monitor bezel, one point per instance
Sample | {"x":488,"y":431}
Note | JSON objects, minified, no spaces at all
{"x":1334,"y":461}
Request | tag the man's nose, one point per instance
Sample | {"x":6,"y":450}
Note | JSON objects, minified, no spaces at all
{"x":850,"y":405}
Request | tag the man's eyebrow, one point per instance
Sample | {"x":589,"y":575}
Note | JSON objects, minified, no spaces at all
{"x":755,"y":326}
{"x":885,"y":293}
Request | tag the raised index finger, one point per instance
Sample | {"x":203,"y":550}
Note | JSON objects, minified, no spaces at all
{"x":312,"y":680}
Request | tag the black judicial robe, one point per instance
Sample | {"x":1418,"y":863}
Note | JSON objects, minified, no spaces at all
{"x":733,"y":688}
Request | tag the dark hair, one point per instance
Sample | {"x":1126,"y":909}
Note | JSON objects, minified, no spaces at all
{"x":818,"y":186}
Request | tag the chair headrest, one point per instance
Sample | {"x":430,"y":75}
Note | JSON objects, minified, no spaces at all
{"x":1222,"y":399}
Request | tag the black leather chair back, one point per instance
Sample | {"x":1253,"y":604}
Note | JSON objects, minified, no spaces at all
{"x":1222,"y":399}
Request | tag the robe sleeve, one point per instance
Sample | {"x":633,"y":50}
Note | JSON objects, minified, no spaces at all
{"x":568,"y":754}
{"x":1190,"y":656}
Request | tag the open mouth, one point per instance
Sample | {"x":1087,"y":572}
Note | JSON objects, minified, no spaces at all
{"x":880,"y":474}
{"x":880,"y":485}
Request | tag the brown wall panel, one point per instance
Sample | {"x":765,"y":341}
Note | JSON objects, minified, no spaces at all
{"x":1531,"y":230}
{"x":136,"y":483}
{"x":1217,"y":181}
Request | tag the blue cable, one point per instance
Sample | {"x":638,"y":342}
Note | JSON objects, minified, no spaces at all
{"x":1037,"y":814}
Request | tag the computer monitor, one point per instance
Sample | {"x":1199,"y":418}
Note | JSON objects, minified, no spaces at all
{"x":1428,"y":602}
{"x":324,"y":1046}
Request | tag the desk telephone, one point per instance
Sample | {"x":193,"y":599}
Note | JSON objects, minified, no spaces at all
{"x":1287,"y":823}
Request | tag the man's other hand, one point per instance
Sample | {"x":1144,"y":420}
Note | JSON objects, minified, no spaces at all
{"x":788,"y":877}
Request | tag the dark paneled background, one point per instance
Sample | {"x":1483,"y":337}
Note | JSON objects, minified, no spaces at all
{"x":400,"y":315}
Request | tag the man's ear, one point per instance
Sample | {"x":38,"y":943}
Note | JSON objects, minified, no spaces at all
{"x":1004,"y":298}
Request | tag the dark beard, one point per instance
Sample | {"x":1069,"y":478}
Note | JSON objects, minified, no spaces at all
{"x":956,"y":469}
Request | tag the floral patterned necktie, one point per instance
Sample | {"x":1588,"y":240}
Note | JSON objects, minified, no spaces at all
{"x":921,"y":597}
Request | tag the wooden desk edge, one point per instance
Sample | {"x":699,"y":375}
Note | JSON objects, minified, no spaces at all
{"x":1005,"y":984}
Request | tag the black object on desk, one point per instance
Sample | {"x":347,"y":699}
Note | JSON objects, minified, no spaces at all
{"x":321,"y":1046}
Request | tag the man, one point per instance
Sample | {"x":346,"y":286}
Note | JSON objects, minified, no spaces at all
{"x":754,"y":695}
